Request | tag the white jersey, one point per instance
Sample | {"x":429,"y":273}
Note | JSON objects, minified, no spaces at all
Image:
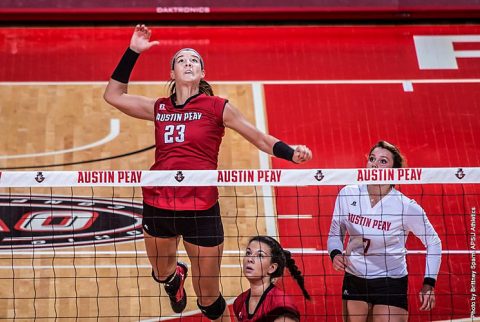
{"x":377,"y":236}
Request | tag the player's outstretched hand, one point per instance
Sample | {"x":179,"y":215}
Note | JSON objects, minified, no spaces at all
{"x":302,"y":154}
{"x":141,"y":39}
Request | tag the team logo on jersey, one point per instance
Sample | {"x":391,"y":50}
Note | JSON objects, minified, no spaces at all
{"x":64,"y":221}
{"x":353,"y":204}
{"x":319,"y":176}
{"x":460,"y":174}
{"x":161,"y":107}
{"x":179,"y":176}
{"x":39,"y":178}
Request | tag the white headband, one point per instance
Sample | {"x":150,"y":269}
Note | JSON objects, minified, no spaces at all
{"x":184,"y":49}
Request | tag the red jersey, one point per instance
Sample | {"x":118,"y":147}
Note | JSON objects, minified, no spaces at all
{"x":273,"y":303}
{"x":187,"y":137}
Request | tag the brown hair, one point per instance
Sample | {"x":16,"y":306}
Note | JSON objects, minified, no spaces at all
{"x":283,"y":258}
{"x":399,"y":160}
{"x":204,"y":87}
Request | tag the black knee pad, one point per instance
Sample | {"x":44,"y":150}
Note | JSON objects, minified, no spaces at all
{"x":215,"y":310}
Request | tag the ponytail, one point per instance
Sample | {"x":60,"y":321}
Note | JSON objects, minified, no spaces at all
{"x":296,"y":273}
{"x":205,"y":88}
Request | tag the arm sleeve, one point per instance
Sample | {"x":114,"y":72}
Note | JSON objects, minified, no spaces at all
{"x":419,"y":225}
{"x":337,"y":227}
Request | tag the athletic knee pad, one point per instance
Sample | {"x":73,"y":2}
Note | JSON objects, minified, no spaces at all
{"x":215,"y":310}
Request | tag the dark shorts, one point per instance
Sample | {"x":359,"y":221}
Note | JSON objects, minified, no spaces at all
{"x":198,"y":227}
{"x":383,"y":291}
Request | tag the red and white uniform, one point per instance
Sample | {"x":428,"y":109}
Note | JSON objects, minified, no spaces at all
{"x":377,"y":235}
{"x":273,"y":303}
{"x":187,"y":137}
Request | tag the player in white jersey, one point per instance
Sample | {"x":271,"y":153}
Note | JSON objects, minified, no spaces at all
{"x":378,"y":219}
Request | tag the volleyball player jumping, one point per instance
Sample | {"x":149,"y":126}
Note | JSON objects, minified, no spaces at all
{"x":189,"y":126}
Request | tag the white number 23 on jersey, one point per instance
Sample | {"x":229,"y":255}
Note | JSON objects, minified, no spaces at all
{"x":174,"y":133}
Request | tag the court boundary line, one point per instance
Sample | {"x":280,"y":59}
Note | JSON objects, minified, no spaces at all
{"x":261,"y":124}
{"x":294,"y":216}
{"x":473,"y":319}
{"x":183,"y":314}
{"x":99,"y":266}
{"x":304,"y":251}
{"x":114,"y":132}
{"x":181,"y":253}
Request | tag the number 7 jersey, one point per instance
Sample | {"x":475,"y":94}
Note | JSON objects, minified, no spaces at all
{"x":187,"y":137}
{"x":377,"y":235}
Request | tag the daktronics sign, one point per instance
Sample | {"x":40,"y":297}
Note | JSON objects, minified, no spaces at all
{"x":44,"y":221}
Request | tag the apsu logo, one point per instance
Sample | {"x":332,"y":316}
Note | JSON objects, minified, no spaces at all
{"x":39,"y":178}
{"x":319,"y":175}
{"x":179,"y":176}
{"x":60,"y":221}
{"x":460,"y":174}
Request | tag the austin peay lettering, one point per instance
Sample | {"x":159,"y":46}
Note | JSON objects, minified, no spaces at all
{"x":178,"y":117}
{"x":249,"y":175}
{"x":369,"y":222}
{"x":128,"y":176}
{"x":380,"y":174}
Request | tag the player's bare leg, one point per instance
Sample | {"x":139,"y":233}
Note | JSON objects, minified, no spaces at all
{"x":387,"y":313}
{"x":206,"y":263}
{"x":355,"y":311}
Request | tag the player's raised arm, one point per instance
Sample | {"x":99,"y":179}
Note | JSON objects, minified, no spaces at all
{"x":117,"y":88}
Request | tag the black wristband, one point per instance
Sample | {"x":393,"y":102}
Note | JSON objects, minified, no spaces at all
{"x":283,"y":150}
{"x":429,"y":281}
{"x":334,"y":253}
{"x":125,"y":66}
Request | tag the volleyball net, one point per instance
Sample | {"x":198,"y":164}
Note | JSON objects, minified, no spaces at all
{"x":72,"y":241}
